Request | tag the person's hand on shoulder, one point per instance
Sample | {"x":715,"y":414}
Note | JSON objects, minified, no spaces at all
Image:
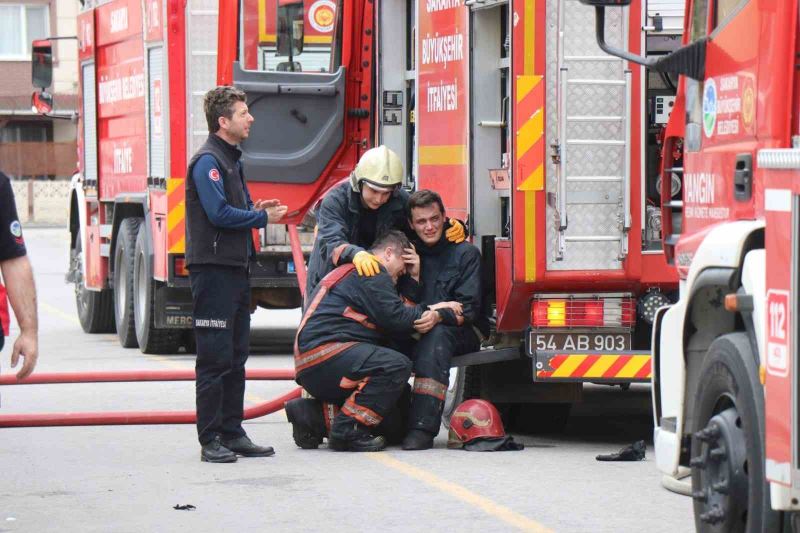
{"x":366,"y":264}
{"x":456,"y":232}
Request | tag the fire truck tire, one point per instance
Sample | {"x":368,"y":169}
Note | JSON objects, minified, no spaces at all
{"x":123,"y":281}
{"x":151,"y":340}
{"x":464,"y":385}
{"x":727,"y":452}
{"x":95,"y":308}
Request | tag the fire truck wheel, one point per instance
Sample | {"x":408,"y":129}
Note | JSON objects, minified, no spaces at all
{"x":150,"y":339}
{"x":95,"y":308}
{"x":464,"y":384}
{"x":123,"y":281}
{"x":727,"y":453}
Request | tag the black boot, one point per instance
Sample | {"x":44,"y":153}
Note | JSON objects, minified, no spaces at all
{"x":244,"y":446}
{"x":308,"y":424}
{"x":418,"y":439}
{"x":354,"y":437}
{"x":215,"y":452}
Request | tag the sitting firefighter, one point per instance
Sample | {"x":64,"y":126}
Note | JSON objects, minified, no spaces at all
{"x":450,"y":272}
{"x":340,"y":353}
{"x":353,"y":213}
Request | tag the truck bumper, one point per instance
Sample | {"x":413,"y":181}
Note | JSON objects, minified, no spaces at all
{"x":593,"y":366}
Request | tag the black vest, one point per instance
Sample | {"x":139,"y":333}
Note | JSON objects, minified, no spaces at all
{"x":206,"y":243}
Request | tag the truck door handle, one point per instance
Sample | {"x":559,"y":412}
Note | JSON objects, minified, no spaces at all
{"x":299,"y":116}
{"x":743,"y":178}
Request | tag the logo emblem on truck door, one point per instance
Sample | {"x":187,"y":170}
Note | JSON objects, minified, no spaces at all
{"x":322,"y":15}
{"x":709,"y":107}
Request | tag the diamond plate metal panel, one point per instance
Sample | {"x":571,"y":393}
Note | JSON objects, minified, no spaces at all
{"x":586,"y":104}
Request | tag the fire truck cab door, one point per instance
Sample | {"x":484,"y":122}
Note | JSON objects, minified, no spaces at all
{"x":299,"y":123}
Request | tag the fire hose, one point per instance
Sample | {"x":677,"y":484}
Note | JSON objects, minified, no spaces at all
{"x":134,"y":417}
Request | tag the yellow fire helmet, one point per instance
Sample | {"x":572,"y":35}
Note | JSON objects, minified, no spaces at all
{"x":380,"y":167}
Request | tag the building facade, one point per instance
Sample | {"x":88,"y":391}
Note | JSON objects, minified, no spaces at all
{"x":23,"y":132}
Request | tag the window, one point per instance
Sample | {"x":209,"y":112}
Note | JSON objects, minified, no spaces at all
{"x":19,"y":25}
{"x":289,"y":35}
{"x":723,"y":9}
{"x":699,"y":20}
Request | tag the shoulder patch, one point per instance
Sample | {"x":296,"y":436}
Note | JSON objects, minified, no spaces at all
{"x":213,"y":174}
{"x":16,"y":229}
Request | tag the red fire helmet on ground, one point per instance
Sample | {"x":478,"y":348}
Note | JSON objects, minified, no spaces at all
{"x":472,"y":422}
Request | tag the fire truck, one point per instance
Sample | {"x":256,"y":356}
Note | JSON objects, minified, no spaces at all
{"x":547,"y":148}
{"x":725,"y":376}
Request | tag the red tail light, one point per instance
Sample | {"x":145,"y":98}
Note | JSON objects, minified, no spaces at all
{"x":180,"y":267}
{"x":586,"y":313}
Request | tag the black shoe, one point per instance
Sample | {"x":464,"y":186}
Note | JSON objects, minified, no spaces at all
{"x":244,"y":446}
{"x":308,"y":424}
{"x":356,"y":438}
{"x":215,"y":452}
{"x":418,"y":439}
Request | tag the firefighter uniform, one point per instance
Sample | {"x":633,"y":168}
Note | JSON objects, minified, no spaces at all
{"x":345,"y":227}
{"x":449,"y":272}
{"x":12,"y":244}
{"x":219,"y":246}
{"x":339,"y":352}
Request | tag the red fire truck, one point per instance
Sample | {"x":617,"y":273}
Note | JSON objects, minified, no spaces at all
{"x":546,"y":147}
{"x":725,"y":378}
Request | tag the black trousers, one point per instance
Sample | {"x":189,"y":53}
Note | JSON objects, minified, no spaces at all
{"x":431,"y":356}
{"x":365,"y":380}
{"x":221,"y":311}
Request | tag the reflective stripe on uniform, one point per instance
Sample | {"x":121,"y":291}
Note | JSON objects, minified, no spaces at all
{"x":430,"y":387}
{"x":366,"y":416}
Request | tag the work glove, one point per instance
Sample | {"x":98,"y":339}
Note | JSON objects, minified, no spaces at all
{"x":366,"y":264}
{"x":456,"y":232}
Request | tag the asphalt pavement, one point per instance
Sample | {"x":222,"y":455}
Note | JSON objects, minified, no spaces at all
{"x":129,"y":478}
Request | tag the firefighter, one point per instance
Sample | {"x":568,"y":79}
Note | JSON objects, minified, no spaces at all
{"x":219,"y":246}
{"x":449,"y":271}
{"x":340,"y":353}
{"x":19,"y":286}
{"x":354,"y":212}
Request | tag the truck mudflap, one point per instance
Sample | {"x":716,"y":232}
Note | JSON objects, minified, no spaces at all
{"x":631,"y":366}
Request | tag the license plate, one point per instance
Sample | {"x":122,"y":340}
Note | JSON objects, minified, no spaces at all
{"x":290,"y":267}
{"x":580,"y":342}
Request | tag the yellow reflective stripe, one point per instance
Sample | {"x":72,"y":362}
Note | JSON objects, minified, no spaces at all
{"x":633,"y":366}
{"x":568,"y":367}
{"x":600,"y":366}
{"x":529,"y":133}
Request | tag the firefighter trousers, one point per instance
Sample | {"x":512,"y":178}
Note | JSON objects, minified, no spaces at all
{"x":431,"y":357}
{"x":366,"y":380}
{"x":221,"y":314}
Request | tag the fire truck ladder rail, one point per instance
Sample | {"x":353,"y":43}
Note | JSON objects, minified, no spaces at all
{"x":115,"y":418}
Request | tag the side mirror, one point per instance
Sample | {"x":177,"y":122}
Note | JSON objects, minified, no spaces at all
{"x":290,"y":29}
{"x":42,"y":102}
{"x":42,"y":64}
{"x":689,"y":60}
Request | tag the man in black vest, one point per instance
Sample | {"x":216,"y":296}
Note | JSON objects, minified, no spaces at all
{"x":219,"y":245}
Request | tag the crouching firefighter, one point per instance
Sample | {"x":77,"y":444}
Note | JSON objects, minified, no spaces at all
{"x":450,"y":272}
{"x":340,"y":357}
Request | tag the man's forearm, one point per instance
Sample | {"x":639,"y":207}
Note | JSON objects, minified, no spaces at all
{"x":18,"y":279}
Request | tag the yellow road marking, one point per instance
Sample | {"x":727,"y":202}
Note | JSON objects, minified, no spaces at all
{"x":59,"y":313}
{"x":501,"y":512}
